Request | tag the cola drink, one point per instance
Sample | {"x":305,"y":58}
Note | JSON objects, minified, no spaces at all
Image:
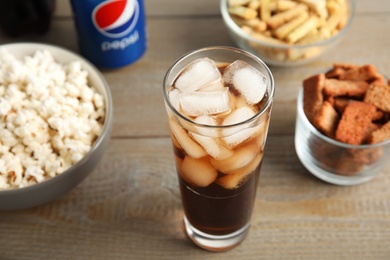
{"x":111,"y":33}
{"x":218,"y":103}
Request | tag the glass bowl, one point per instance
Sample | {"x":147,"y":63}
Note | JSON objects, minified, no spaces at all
{"x":333,"y":161}
{"x":283,"y":54}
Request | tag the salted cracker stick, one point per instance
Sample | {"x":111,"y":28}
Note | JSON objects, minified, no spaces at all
{"x":283,"y":5}
{"x":319,"y":6}
{"x":257,"y":25}
{"x":254,"y":4}
{"x":261,"y":36}
{"x":312,"y":36}
{"x":302,"y":30}
{"x":333,"y":21}
{"x":268,"y":33}
{"x":296,"y":54}
{"x":283,"y":17}
{"x":243,"y":12}
{"x":265,"y":12}
{"x":238,"y":2}
{"x":282,"y":31}
{"x":324,"y":32}
{"x":273,"y":6}
{"x":334,"y":6}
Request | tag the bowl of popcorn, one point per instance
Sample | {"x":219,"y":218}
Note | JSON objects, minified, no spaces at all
{"x":287,"y":32}
{"x":55,"y":122}
{"x":342,"y":133}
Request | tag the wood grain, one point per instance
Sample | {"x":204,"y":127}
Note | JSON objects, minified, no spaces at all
{"x":129,"y":207}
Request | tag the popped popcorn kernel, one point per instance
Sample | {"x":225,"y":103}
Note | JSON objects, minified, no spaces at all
{"x":49,"y":117}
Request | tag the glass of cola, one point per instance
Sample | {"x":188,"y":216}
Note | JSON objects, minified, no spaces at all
{"x":218,"y":101}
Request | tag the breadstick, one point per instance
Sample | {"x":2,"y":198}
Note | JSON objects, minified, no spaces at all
{"x":333,"y":22}
{"x":312,"y":36}
{"x":257,"y":24}
{"x":283,"y":17}
{"x":265,"y":12}
{"x":243,"y":12}
{"x":260,"y":36}
{"x":318,"y":5}
{"x":302,"y":30}
{"x":334,"y":6}
{"x":238,"y":2}
{"x":286,"y":28}
{"x":283,"y":5}
{"x":254,"y":4}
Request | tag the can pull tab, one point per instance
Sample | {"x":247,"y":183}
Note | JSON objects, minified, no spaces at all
{"x":18,"y":17}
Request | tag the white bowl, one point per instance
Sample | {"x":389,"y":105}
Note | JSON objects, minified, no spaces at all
{"x":40,"y":193}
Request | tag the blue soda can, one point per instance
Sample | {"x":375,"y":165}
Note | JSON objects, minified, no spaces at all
{"x":111,"y":33}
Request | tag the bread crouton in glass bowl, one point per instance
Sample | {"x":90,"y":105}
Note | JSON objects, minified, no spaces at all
{"x":287,"y":32}
{"x":342,"y":133}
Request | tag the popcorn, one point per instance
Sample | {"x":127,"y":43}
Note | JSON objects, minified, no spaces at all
{"x":5,"y":107}
{"x":49,"y":117}
{"x":3,"y":182}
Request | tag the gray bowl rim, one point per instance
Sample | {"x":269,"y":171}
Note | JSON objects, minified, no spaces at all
{"x":107,"y":120}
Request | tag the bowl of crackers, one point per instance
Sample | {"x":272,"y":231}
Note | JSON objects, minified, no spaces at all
{"x":287,"y":32}
{"x":342,"y":133}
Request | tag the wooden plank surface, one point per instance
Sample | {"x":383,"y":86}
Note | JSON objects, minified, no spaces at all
{"x":129,"y":207}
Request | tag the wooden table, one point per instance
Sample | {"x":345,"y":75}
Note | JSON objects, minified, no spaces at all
{"x":129,"y":207}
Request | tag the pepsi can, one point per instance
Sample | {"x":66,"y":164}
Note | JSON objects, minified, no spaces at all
{"x":111,"y":33}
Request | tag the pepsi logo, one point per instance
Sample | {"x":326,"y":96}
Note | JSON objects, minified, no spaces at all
{"x":115,"y":18}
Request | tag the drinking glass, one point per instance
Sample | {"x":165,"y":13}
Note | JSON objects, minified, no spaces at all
{"x":218,"y":193}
